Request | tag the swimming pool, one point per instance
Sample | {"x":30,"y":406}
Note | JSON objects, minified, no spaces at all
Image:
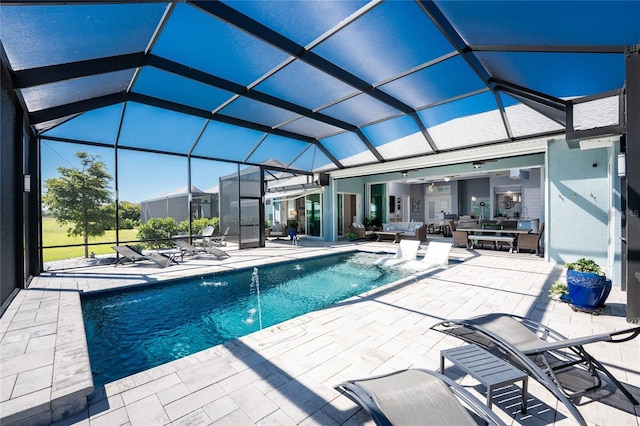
{"x":131,"y":330}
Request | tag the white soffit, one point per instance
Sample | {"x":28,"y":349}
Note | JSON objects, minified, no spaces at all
{"x":598,"y":143}
{"x":513,"y":149}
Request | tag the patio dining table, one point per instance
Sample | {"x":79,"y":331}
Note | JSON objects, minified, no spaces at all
{"x":509,"y":236}
{"x":494,"y":231}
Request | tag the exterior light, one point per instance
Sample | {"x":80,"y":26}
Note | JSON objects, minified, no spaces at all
{"x":622,"y":164}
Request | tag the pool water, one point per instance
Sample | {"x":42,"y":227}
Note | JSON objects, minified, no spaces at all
{"x":131,"y":330}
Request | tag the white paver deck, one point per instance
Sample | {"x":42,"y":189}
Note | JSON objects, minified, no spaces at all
{"x":285,"y":374}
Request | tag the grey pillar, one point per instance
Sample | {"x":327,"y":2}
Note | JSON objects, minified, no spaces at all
{"x":633,"y":183}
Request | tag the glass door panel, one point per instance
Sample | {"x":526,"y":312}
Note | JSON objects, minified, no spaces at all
{"x":249,"y":222}
{"x":377,"y":195}
{"x":313,"y":215}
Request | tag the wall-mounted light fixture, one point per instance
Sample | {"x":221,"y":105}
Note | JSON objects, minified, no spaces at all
{"x":476,"y":165}
{"x":447,"y":178}
{"x":403,"y":173}
{"x":622,"y":164}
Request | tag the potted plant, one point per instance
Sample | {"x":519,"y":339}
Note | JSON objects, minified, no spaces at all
{"x":293,"y":229}
{"x":587,"y":283}
{"x":491,"y":225}
{"x":560,"y":291}
{"x":351,"y":236}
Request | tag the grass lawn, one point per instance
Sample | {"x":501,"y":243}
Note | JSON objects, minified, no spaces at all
{"x":54,"y":234}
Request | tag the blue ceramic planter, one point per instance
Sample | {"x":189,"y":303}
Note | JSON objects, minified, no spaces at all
{"x":587,"y":290}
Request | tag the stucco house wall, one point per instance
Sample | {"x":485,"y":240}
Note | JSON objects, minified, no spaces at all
{"x":583,"y":210}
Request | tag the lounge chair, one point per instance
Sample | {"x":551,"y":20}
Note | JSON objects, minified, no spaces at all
{"x":436,"y":256}
{"x":542,"y":353}
{"x":206,"y":235}
{"x":220,"y":239}
{"x":414,"y":397}
{"x":407,"y":250}
{"x":128,"y":254}
{"x":186,"y":248}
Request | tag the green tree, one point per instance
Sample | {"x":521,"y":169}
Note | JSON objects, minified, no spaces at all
{"x":78,"y":196}
{"x":157,"y":232}
{"x":128,"y":213}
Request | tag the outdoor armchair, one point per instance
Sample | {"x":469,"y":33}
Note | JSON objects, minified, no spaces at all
{"x":460,"y":238}
{"x":361,"y":232}
{"x":530,"y":241}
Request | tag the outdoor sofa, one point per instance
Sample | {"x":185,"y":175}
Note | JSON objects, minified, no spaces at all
{"x":410,"y":230}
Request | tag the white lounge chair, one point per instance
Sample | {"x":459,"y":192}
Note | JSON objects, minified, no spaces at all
{"x":437,"y":256}
{"x":220,"y":239}
{"x":207,"y":234}
{"x":407,"y":251}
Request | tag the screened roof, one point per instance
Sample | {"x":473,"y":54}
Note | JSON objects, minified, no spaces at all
{"x":312,"y":85}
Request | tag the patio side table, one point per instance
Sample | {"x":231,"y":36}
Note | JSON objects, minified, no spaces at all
{"x":486,"y":368}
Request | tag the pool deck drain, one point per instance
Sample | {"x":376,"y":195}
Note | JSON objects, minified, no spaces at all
{"x":285,"y":374}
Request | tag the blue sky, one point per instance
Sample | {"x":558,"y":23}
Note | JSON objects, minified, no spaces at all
{"x":142,"y":175}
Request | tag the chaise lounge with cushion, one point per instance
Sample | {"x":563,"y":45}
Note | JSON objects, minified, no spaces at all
{"x":561,"y":365}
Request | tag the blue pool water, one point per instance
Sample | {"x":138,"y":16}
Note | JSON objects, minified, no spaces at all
{"x":132,"y":330}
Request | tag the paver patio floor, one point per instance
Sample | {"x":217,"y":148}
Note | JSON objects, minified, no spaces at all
{"x":285,"y":374}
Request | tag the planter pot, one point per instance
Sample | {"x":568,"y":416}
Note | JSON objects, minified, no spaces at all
{"x":587,"y":290}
